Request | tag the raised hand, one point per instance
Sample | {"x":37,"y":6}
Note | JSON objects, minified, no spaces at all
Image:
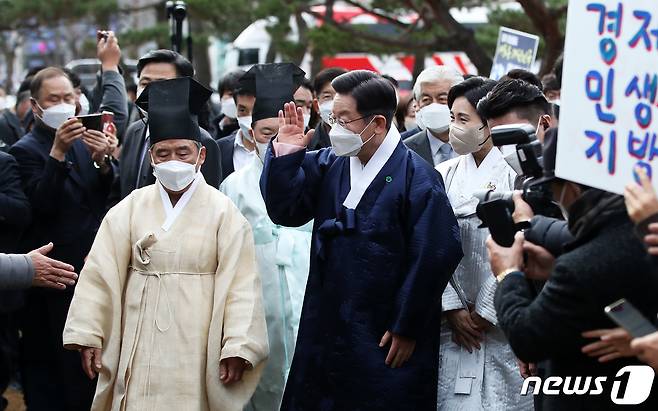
{"x":291,"y":126}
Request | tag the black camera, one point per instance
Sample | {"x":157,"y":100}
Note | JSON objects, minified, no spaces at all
{"x":495,"y":209}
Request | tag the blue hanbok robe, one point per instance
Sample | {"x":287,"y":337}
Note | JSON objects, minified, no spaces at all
{"x":381,"y":266}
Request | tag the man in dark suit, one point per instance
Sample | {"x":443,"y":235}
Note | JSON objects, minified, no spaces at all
{"x":14,"y":218}
{"x":134,"y":163}
{"x":226,"y":123}
{"x":227,"y":150}
{"x":431,"y":93}
{"x":238,"y":148}
{"x":66,"y":175}
{"x":322,"y":104}
{"x":605,"y":262}
{"x":14,"y":207}
{"x":10,"y":129}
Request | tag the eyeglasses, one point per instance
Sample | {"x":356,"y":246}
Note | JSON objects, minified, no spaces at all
{"x":333,"y":120}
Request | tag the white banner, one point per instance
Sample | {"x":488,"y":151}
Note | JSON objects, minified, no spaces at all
{"x":609,"y":93}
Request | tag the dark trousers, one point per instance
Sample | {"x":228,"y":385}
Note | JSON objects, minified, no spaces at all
{"x":52,"y":377}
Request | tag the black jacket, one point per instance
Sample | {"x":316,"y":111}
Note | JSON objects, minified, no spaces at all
{"x":421,"y":146}
{"x":219,"y":132}
{"x":605,"y":263}
{"x":320,"y":138}
{"x":10,"y":129}
{"x":67,"y":199}
{"x":131,"y":158}
{"x":550,"y":233}
{"x":409,"y":133}
{"x":14,"y":206}
{"x":110,"y":95}
{"x":68,"y":203}
{"x":226,"y":148}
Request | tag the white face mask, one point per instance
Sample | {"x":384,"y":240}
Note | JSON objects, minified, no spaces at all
{"x":325,"y":110}
{"x":466,"y":140}
{"x":262,"y":149}
{"x":175,"y":175}
{"x":345,"y":142}
{"x":228,"y":108}
{"x":55,"y":116}
{"x":245,"y":127}
{"x":307,"y":120}
{"x":410,"y":124}
{"x":84,"y":105}
{"x":435,"y":117}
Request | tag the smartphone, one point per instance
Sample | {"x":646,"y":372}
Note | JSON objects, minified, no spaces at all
{"x":92,"y":121}
{"x":629,"y":318}
{"x":107,"y":118}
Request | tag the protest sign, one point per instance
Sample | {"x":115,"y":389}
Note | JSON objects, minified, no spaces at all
{"x":609,"y":90}
{"x":515,"y":49}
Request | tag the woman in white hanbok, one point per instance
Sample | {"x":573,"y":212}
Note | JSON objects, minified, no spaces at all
{"x":477,"y":369}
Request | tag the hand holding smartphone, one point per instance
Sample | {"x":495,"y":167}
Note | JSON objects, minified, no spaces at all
{"x":624,"y":314}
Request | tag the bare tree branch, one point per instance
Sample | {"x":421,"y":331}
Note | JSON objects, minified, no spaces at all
{"x":548,"y":25}
{"x":377,"y":14}
{"x":408,"y":44}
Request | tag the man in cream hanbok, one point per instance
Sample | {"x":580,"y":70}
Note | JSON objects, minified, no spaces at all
{"x":283,"y":253}
{"x":477,"y":368}
{"x":168,"y":309}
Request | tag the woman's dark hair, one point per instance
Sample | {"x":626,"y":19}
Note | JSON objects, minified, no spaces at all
{"x":473,"y":89}
{"x":401,"y":112}
{"x":373,"y":93}
{"x":183,"y":66}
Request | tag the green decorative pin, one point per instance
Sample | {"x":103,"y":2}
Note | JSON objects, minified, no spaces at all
{"x":389,"y":179}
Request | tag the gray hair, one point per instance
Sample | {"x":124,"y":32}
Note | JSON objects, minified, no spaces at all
{"x":436,"y":73}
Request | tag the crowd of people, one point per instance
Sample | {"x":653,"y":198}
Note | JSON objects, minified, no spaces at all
{"x":313,"y":245}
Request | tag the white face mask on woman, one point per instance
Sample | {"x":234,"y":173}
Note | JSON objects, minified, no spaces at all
{"x":467,"y":140}
{"x":56,"y":115}
{"x":175,"y":175}
{"x":345,"y":142}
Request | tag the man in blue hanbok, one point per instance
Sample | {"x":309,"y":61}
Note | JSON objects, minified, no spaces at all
{"x":385,"y":243}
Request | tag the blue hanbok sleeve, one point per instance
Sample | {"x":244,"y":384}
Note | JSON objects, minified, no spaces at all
{"x":290,"y":184}
{"x":433,"y":253}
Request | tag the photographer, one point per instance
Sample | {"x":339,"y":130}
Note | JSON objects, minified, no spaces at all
{"x":605,"y":262}
{"x":512,"y":102}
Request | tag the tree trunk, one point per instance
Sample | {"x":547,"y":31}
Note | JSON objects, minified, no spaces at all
{"x":461,"y":37}
{"x":547,"y":24}
{"x":419,"y":64}
{"x":201,"y":59}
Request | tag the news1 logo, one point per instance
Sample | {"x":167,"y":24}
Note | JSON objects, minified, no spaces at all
{"x":631,"y":386}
